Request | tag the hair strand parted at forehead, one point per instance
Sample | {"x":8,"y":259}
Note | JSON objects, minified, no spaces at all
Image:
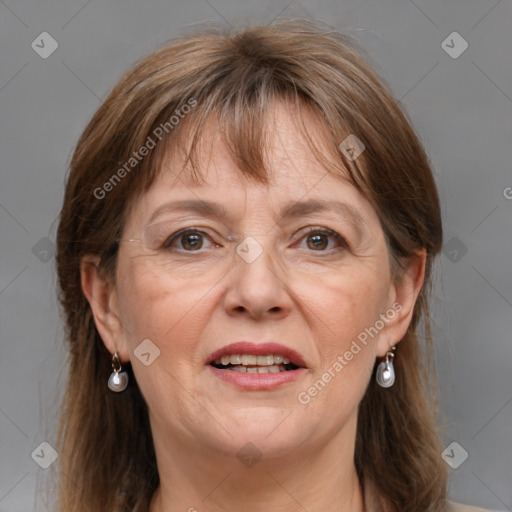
{"x":164,"y":104}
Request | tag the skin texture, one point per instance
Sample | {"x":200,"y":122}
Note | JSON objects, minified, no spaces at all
{"x":315,"y":300}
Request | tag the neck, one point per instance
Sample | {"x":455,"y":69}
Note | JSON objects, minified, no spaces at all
{"x":322,"y":478}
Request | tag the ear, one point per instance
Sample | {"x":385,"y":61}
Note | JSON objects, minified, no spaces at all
{"x":102,"y":298}
{"x":402,"y":298}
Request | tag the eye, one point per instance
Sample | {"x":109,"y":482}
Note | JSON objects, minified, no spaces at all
{"x":190,"y":239}
{"x":318,"y":239}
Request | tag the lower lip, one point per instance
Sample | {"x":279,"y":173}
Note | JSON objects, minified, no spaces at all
{"x":258,"y":381}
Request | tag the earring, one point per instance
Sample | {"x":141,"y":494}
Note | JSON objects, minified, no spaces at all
{"x":386,"y":372}
{"x":118,"y":380}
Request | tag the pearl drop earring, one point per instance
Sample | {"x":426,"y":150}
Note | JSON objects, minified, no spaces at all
{"x":386,"y":371}
{"x":118,"y":380}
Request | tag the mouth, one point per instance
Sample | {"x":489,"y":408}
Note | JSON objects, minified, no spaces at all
{"x":257,"y":366}
{"x":251,"y":363}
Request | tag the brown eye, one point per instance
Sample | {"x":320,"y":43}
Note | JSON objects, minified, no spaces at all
{"x":191,"y":241}
{"x":188,"y":240}
{"x":318,"y":239}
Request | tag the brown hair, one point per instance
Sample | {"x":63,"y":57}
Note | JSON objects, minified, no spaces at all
{"x":107,"y":459}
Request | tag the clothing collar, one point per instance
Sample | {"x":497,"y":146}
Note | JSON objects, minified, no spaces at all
{"x":371,"y":501}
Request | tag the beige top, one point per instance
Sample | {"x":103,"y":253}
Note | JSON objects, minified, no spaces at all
{"x":372,"y":505}
{"x":461,"y":507}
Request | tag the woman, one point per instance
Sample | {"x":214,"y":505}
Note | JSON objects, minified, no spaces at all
{"x":244,"y":257}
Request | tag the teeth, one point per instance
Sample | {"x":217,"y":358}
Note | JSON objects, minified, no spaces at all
{"x":265,"y":360}
{"x":248,"y":359}
{"x":275,"y":368}
{"x":253,"y":360}
{"x":237,"y":359}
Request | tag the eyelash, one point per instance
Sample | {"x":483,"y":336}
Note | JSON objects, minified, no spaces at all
{"x":311,"y":229}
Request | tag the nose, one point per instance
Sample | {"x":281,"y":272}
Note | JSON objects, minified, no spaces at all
{"x":258,"y":285}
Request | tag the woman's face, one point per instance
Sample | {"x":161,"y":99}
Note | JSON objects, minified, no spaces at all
{"x":263,"y":272}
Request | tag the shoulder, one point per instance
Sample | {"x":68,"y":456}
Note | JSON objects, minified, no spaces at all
{"x":461,"y":507}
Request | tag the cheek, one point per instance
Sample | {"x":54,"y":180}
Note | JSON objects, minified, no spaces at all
{"x":163,"y":308}
{"x":344,"y":308}
{"x":171,"y":312}
{"x":345,"y":303}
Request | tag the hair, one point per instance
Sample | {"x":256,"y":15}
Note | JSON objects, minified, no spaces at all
{"x":107,"y":457}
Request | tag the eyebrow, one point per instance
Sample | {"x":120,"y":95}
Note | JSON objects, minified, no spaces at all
{"x":291,"y":210}
{"x":303,"y":208}
{"x":202,"y":207}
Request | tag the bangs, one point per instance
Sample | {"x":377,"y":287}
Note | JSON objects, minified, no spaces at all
{"x":247,"y":132}
{"x":235,"y":83}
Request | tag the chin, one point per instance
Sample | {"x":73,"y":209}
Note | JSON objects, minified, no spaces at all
{"x":272,"y":430}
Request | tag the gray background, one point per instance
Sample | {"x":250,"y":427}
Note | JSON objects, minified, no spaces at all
{"x":461,"y":107}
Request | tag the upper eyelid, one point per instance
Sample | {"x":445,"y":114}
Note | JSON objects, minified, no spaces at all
{"x":184,"y":231}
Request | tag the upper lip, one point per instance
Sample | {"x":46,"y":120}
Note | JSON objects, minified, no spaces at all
{"x":258,"y":349}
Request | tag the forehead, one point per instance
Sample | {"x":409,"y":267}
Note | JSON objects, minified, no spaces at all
{"x":294,"y":171}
